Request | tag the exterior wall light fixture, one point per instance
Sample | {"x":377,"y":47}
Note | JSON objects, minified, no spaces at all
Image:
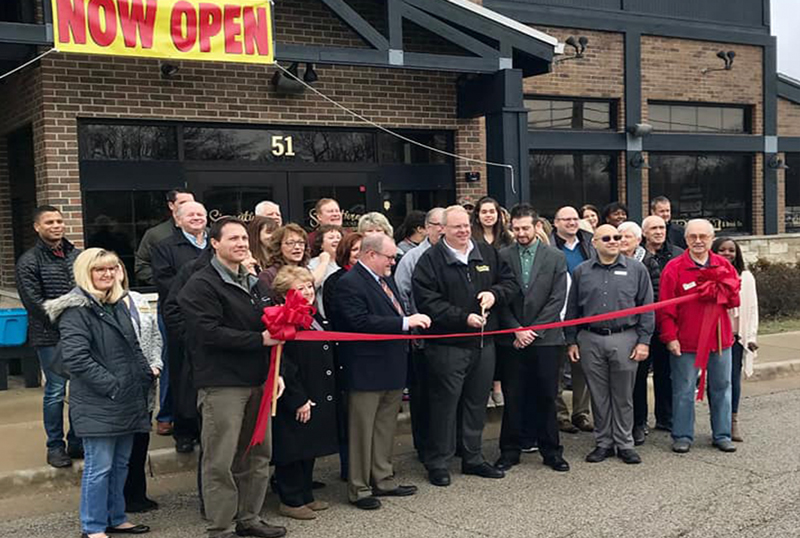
{"x":726,"y":57}
{"x":578,"y":45}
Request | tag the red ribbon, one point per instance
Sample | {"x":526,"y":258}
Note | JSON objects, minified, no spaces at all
{"x":282,"y":323}
{"x":714,"y":289}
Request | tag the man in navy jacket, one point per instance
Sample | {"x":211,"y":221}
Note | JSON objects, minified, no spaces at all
{"x":367,"y":301}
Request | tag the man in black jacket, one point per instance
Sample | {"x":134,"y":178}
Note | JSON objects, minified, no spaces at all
{"x":654,"y":230}
{"x":168,"y":256}
{"x":367,"y":301}
{"x":530,"y":360}
{"x":457,"y":282}
{"x":222,"y":305}
{"x":45,"y":272}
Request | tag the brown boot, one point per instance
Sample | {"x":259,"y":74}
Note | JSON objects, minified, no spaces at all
{"x":736,"y":435}
{"x":299,"y":512}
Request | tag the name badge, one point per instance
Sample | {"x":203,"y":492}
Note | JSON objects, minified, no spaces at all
{"x":689,"y":285}
{"x":621,"y":273}
{"x":482,"y":268}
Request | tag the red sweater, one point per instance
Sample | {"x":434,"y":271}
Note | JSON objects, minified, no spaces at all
{"x":682,"y":322}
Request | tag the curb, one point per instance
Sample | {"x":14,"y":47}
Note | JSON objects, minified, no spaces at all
{"x":775,"y":370}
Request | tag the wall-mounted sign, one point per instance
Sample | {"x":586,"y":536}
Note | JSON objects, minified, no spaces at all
{"x":227,"y":31}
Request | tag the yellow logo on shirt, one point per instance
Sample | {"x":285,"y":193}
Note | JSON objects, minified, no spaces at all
{"x":482,"y":268}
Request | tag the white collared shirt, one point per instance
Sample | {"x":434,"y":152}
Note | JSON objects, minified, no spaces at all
{"x":460,"y":256}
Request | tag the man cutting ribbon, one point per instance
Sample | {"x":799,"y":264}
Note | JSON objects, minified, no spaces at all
{"x":699,"y":339}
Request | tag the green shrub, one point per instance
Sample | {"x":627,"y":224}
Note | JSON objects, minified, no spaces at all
{"x":778,"y":286}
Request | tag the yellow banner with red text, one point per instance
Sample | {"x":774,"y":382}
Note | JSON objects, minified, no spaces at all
{"x":214,"y":30}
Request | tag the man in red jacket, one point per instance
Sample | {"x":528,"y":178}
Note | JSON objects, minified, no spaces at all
{"x":680,"y":331}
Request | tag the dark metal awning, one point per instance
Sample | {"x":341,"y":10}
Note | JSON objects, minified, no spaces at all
{"x":789,"y":88}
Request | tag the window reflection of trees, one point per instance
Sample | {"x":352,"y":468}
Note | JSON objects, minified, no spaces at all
{"x":558,"y":179}
{"x":128,"y":142}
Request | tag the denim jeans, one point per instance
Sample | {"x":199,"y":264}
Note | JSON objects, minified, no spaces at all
{"x":164,"y":396}
{"x":736,"y":376}
{"x":718,"y":389}
{"x":55,"y":388}
{"x":104,"y":473}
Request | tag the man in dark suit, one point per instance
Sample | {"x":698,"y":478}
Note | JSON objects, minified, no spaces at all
{"x":367,"y":301}
{"x":530,"y":360}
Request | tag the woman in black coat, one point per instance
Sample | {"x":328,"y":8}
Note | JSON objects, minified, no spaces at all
{"x":109,"y":384}
{"x":305,"y":426}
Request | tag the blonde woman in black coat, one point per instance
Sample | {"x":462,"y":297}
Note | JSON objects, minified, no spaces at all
{"x":305,"y":427}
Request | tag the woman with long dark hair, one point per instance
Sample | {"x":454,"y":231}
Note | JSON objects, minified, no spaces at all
{"x":744,"y":320}
{"x":259,"y":232}
{"x":488,"y":224}
{"x":410,"y":233}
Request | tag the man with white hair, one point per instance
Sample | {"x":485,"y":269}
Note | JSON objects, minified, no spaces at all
{"x":458,"y":282}
{"x":630,"y":246}
{"x":270,"y":210}
{"x":680,"y":331}
{"x":654,"y":230}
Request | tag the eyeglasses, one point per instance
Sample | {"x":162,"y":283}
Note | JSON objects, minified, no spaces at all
{"x":104,"y":270}
{"x":292,"y":244}
{"x":385,"y":255}
{"x":437,"y":224}
{"x":609,"y":238}
{"x":698,"y":237}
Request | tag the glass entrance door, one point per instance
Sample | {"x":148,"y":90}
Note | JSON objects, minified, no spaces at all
{"x":354,"y":191}
{"x":236,"y":192}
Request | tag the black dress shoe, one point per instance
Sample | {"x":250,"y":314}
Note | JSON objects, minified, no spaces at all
{"x":484,"y":470}
{"x":504,"y":463}
{"x":261,"y":529}
{"x":75,"y":451}
{"x":368,"y":503}
{"x":599,"y":454}
{"x":638,"y":435}
{"x":184,"y":445}
{"x":629,"y":456}
{"x":140,"y":506}
{"x":136,"y":529}
{"x":663,"y":427}
{"x":58,"y":458}
{"x":399,"y":491}
{"x":557,"y":464}
{"x":439,"y":477}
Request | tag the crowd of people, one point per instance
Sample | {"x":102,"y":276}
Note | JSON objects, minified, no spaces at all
{"x":466,"y":269}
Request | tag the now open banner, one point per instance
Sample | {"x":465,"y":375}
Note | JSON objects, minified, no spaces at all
{"x":216,"y":30}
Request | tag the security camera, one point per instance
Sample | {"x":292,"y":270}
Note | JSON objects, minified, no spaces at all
{"x":640,"y":129}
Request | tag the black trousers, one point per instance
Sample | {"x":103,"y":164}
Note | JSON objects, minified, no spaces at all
{"x":530,"y":381}
{"x":418,"y":394}
{"x":458,"y":378}
{"x":136,"y":484}
{"x":184,"y":395}
{"x":294,"y":482}
{"x":640,"y":393}
{"x":662,"y":383}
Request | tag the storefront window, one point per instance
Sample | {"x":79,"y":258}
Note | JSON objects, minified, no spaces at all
{"x":277,"y":145}
{"x":106,"y":142}
{"x":117,"y":220}
{"x":716,"y":187}
{"x":559,"y":179}
{"x":352,"y":200}
{"x":793,"y":192}
{"x":691,"y":118}
{"x":394,"y":150}
{"x":577,"y":114}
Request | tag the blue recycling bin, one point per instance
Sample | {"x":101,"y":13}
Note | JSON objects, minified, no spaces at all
{"x":13,"y":327}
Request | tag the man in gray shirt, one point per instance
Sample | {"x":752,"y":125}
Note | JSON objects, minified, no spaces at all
{"x":610,"y":350}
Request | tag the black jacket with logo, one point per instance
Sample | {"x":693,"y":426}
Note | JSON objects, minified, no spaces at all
{"x":447,"y":290}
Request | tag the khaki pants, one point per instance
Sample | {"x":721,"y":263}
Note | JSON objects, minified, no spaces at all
{"x":234,"y":485}
{"x":372,"y":421}
{"x":580,"y":391}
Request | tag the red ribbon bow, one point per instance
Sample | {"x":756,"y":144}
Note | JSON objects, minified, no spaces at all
{"x":714,"y":291}
{"x":282,"y":322}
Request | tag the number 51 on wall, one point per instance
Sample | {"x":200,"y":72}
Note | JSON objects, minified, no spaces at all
{"x":282,"y":146}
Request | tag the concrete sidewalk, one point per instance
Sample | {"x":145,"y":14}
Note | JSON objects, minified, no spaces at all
{"x":22,"y":438}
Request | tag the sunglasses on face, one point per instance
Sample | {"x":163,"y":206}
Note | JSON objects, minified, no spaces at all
{"x":609,"y":238}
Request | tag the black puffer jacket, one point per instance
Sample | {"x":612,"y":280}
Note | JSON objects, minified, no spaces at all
{"x":41,"y":275}
{"x":109,"y":376}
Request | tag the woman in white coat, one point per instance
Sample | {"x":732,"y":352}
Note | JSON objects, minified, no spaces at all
{"x":145,"y":324}
{"x":745,"y":326}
